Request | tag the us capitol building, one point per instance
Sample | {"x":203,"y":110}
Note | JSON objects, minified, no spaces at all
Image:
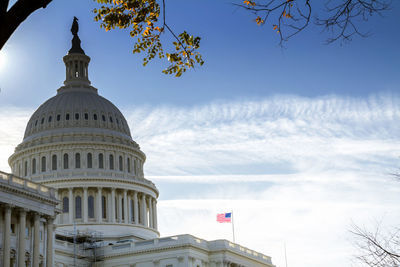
{"x":77,"y":195}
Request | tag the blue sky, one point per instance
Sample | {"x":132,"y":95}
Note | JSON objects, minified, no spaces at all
{"x":299,"y":142}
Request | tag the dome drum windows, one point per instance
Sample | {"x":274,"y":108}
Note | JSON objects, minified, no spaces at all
{"x":58,"y":117}
{"x":66,"y":161}
{"x":67,"y":117}
{"x":65,"y":203}
{"x":86,"y":116}
{"x":91,"y":207}
{"x":111,"y":159}
{"x":43,"y":164}
{"x":33,"y":166}
{"x":77,"y":161}
{"x":76,"y":116}
{"x":78,"y":207}
{"x":101,"y":161}
{"x":89,"y":160}
{"x":54,"y":162}
{"x":120,"y":164}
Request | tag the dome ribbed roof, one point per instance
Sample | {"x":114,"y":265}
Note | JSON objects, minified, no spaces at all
{"x":74,"y":108}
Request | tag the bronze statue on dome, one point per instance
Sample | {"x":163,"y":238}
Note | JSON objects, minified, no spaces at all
{"x":76,"y":42}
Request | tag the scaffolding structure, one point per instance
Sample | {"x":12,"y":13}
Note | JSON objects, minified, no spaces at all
{"x":88,"y":246}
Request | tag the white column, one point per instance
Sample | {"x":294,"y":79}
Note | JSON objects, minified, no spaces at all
{"x":36,"y":240}
{"x":112,"y":204}
{"x":85,"y":204}
{"x":59,"y":205}
{"x":155,"y":226}
{"x":49,"y":252}
{"x":126,"y":215}
{"x":21,"y":238}
{"x":70,"y":205}
{"x":119,"y":208}
{"x":7,"y":236}
{"x":129,"y":208}
{"x":150,"y":212}
{"x":99,"y":205}
{"x":144,"y":210}
{"x":135,"y":208}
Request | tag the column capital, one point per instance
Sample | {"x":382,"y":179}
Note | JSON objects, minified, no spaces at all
{"x":85,"y":187}
{"x":8,"y":206}
{"x":49,"y":219}
{"x":99,"y":188}
{"x":22,"y":211}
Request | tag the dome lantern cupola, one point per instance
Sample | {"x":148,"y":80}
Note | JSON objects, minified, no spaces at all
{"x":76,"y":62}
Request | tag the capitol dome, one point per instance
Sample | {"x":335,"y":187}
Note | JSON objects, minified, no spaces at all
{"x":80,"y":143}
{"x":74,"y":108}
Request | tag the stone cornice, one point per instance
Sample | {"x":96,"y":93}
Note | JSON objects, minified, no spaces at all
{"x":69,"y":182}
{"x":73,"y":144}
{"x":32,"y":195}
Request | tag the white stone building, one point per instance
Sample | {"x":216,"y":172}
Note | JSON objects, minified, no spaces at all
{"x":79,"y":143}
{"x":27,"y":212}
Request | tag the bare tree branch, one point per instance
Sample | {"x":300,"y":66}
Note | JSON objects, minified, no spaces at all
{"x":376,"y":248}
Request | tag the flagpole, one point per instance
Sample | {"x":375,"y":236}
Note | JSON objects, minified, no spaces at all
{"x":284,"y":244}
{"x":233,"y":228}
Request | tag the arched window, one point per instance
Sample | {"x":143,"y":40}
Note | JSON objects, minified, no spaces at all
{"x":67,"y":116}
{"x":33,"y":166}
{"x":76,"y":116}
{"x":111,"y":120}
{"x":111,"y":162}
{"x":86,"y":116}
{"x":132,"y":210}
{"x":89,"y":160}
{"x":128,"y":164}
{"x":101,"y":161}
{"x":104,"y":207}
{"x":103,"y":117}
{"x":43,"y":164}
{"x":58,"y":117}
{"x":50,"y":118}
{"x":78,"y":207}
{"x":120,"y":163}
{"x":42,"y":121}
{"x":95,"y":117}
{"x":66,"y":160}
{"x":65,"y":205}
{"x":91,"y":206}
{"x":77,"y":160}
{"x":123,"y":209}
{"x":26,"y":168}
{"x":54,"y":162}
{"x":134,"y":167}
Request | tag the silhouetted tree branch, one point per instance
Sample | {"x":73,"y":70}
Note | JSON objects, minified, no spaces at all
{"x":341,"y":18}
{"x":10,"y":19}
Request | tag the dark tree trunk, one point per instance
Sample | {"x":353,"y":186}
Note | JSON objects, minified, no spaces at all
{"x":11,"y":19}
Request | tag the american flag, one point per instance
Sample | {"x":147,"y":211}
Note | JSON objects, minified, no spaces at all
{"x":224,"y":217}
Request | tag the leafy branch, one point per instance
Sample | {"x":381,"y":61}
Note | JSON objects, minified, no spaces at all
{"x":142,"y":18}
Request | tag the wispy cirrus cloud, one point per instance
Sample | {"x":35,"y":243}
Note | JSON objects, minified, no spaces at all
{"x":278,"y":135}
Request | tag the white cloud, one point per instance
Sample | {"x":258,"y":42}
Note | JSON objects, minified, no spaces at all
{"x":293,"y":169}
